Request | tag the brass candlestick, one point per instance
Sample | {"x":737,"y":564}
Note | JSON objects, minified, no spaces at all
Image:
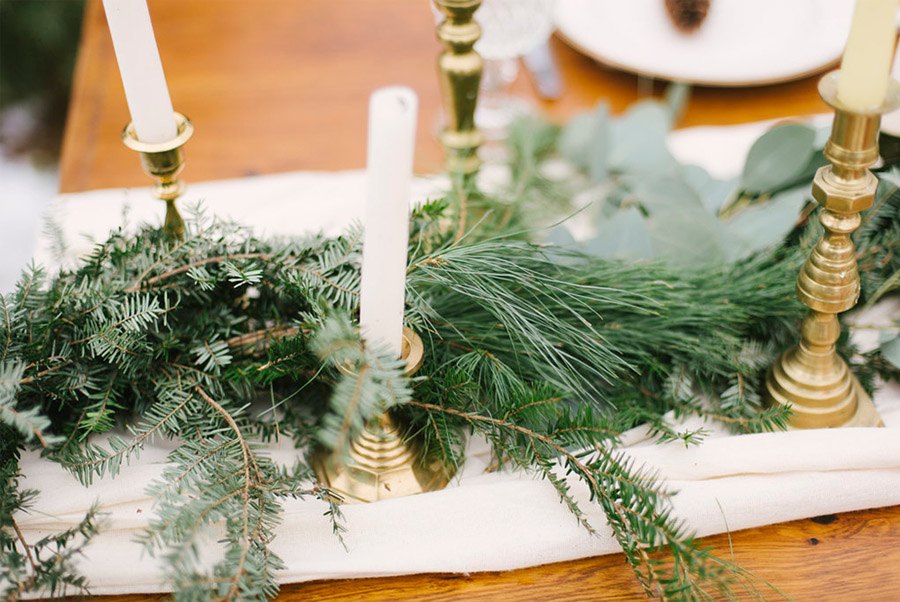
{"x":163,"y":161}
{"x":459,"y":71}
{"x":381,"y":464}
{"x":812,"y":378}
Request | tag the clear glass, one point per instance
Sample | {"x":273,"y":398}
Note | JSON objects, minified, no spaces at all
{"x":509,"y":29}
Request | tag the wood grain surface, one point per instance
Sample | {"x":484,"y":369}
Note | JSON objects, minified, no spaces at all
{"x":280,"y":85}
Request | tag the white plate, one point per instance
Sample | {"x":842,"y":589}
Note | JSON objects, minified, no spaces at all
{"x":741,"y":42}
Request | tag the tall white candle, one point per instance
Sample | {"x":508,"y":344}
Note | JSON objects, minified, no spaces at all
{"x":392,"y":134}
{"x":890,"y":123}
{"x":141,"y":70}
{"x":867,"y":58}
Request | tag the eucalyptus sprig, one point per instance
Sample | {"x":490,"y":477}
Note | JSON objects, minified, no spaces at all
{"x":225,"y":341}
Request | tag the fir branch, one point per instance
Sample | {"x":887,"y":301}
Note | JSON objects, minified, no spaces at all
{"x":141,"y":283}
{"x":630,"y":498}
{"x":246,"y":456}
{"x":92,"y":461}
{"x":569,"y":349}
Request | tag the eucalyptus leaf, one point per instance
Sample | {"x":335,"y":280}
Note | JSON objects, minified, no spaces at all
{"x":638,"y":140}
{"x":687,"y":237}
{"x":575,"y":139}
{"x":890,"y":350}
{"x":598,"y":153}
{"x":823,"y":132}
{"x":806,"y":174}
{"x":560,"y":236}
{"x":778,"y":158}
{"x":585,"y":141}
{"x":763,"y":225}
{"x":663,"y":193}
{"x":624,"y":236}
{"x":713,"y":193}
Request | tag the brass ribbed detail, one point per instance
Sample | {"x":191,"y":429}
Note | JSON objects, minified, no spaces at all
{"x":382,"y":462}
{"x":812,"y":378}
{"x":459,"y":73}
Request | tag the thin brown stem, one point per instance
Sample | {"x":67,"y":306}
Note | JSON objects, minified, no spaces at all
{"x":252,"y":338}
{"x":30,"y":379}
{"x":38,"y":434}
{"x":245,"y":492}
{"x":140,"y":283}
{"x":25,"y":546}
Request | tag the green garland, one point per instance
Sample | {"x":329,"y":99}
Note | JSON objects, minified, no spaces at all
{"x":549,"y":353}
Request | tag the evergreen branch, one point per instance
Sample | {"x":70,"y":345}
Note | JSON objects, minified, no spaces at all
{"x":637,"y":525}
{"x":245,"y":491}
{"x":13,"y":417}
{"x":92,"y":460}
{"x":140,"y":283}
{"x":568,"y":349}
{"x":27,"y":548}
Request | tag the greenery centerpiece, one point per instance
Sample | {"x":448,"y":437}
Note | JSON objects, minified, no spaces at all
{"x":549,"y":350}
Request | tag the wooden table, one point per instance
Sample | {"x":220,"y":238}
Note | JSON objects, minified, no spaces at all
{"x":280,"y":85}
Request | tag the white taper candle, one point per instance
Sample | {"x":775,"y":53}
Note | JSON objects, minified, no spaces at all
{"x":890,"y":123}
{"x":867,"y":57}
{"x":392,"y":135}
{"x":141,"y":70}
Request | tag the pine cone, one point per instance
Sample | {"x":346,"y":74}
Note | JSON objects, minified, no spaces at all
{"x":687,"y":15}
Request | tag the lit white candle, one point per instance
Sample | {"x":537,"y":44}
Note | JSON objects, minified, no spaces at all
{"x":392,"y":134}
{"x":141,"y":70}
{"x":867,"y":58}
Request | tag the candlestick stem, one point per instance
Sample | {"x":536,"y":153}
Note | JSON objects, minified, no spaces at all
{"x":812,"y":378}
{"x":459,"y":70}
{"x":382,"y":463}
{"x":164,"y":161}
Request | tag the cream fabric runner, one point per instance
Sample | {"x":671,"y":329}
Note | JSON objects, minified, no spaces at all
{"x":482,"y":521}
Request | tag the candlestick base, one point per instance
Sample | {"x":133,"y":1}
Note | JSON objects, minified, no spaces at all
{"x":812,"y":378}
{"x":382,"y":463}
{"x":164,"y":161}
{"x":833,"y":398}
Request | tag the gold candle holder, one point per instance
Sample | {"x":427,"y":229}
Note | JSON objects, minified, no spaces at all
{"x":163,"y":161}
{"x":381,"y":464}
{"x":812,"y":378}
{"x":459,"y":71}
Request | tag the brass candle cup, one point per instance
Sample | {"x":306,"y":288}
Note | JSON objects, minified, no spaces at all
{"x":164,"y":161}
{"x":812,"y":378}
{"x":381,"y":462}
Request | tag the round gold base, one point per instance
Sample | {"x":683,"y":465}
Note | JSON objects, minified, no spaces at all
{"x":380,"y":465}
{"x":829,"y":398}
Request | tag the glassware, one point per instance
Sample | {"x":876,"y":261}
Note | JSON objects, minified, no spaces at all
{"x":509,"y":29}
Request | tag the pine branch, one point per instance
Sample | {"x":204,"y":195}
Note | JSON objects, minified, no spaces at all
{"x":568,"y":349}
